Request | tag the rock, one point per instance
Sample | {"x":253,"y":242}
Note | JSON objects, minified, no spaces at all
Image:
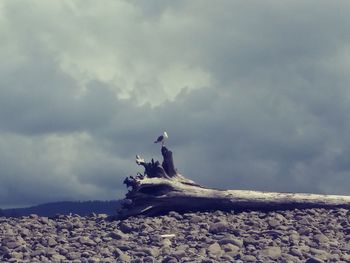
{"x":94,"y":260}
{"x":236,"y":241}
{"x":175,"y":215}
{"x":314,"y":260}
{"x":86,"y":241}
{"x":218,"y":227}
{"x":249,"y":258}
{"x":272,"y":252}
{"x":196,"y":219}
{"x":123,"y":246}
{"x":151,"y":251}
{"x":296,"y":252}
{"x":24,"y":232}
{"x":323,"y":236}
{"x":51,"y":242}
{"x":38,"y":252}
{"x":288,"y":258}
{"x":345,"y":257}
{"x":13,"y":244}
{"x":214,"y":249}
{"x":16,"y":255}
{"x":124,"y":258}
{"x":50,"y":251}
{"x":44,"y":220}
{"x":273,"y":223}
{"x":226,"y":258}
{"x":294,"y":238}
{"x":166,"y":242}
{"x":73,"y":255}
{"x":117,"y":234}
{"x":250,"y":240}
{"x":102,"y":216}
{"x":179,"y":254}
{"x":170,"y":259}
{"x":149,"y":259}
{"x":230,"y":248}
{"x":57,"y":258}
{"x":320,"y":238}
{"x":33,"y":216}
{"x":230,"y":240}
{"x":108,"y":260}
{"x":125,"y":227}
{"x":4,"y":250}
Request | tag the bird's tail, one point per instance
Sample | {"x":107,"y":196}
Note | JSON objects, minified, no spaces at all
{"x":155,"y":141}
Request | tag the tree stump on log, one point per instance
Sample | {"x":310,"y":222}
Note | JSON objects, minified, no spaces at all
{"x":161,"y":189}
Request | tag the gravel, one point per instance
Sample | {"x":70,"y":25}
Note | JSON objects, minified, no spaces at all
{"x":311,"y":235}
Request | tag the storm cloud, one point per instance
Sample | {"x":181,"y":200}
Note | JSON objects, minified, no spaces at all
{"x":254,"y":95}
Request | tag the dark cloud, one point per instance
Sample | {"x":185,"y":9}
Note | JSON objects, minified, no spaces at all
{"x":39,"y":98}
{"x":253,"y":96}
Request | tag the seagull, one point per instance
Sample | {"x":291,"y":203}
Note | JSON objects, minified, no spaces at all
{"x":162,"y":138}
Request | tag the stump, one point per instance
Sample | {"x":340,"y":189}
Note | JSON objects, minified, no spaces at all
{"x":161,"y":189}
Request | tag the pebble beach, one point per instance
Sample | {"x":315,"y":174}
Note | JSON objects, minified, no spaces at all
{"x":310,"y":235}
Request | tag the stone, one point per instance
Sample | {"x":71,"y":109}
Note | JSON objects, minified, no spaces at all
{"x":345,"y":257}
{"x":24,"y":232}
{"x":314,"y":260}
{"x":33,"y":216}
{"x":196,"y":219}
{"x":226,"y":258}
{"x":125,"y":227}
{"x":236,"y":241}
{"x":178,"y":254}
{"x":294,"y":238}
{"x":38,"y":252}
{"x":149,"y":259}
{"x":44,"y":220}
{"x":58,"y":258}
{"x":13,"y":244}
{"x":218,"y":227}
{"x":320,"y":238}
{"x":16,"y":255}
{"x":86,"y":241}
{"x":272,"y":252}
{"x":50,"y":251}
{"x":151,"y":251}
{"x":323,"y":236}
{"x":94,"y":260}
{"x":214,"y":249}
{"x":175,"y":215}
{"x":73,"y":255}
{"x":249,"y":258}
{"x":51,"y":242}
{"x":296,"y":252}
{"x":124,"y":258}
{"x":273,"y":223}
{"x":170,"y":259}
{"x":166,"y":242}
{"x":117,"y":234}
{"x":230,"y":248}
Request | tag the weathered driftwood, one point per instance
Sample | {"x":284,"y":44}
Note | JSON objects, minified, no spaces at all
{"x":162,"y":189}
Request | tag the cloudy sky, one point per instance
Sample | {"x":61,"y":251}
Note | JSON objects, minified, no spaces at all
{"x":254,"y":95}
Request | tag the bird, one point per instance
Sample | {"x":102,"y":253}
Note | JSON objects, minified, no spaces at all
{"x":162,"y":138}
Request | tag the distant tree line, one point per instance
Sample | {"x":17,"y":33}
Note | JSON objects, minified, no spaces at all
{"x":82,"y":208}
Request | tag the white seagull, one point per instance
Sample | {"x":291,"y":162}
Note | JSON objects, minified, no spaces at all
{"x":162,"y":138}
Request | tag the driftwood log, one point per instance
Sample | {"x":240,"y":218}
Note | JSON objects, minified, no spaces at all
{"x":161,"y":189}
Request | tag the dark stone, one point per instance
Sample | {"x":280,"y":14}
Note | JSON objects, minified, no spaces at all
{"x":218,"y":227}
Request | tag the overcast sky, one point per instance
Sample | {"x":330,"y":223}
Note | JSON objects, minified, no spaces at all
{"x":254,"y":95}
